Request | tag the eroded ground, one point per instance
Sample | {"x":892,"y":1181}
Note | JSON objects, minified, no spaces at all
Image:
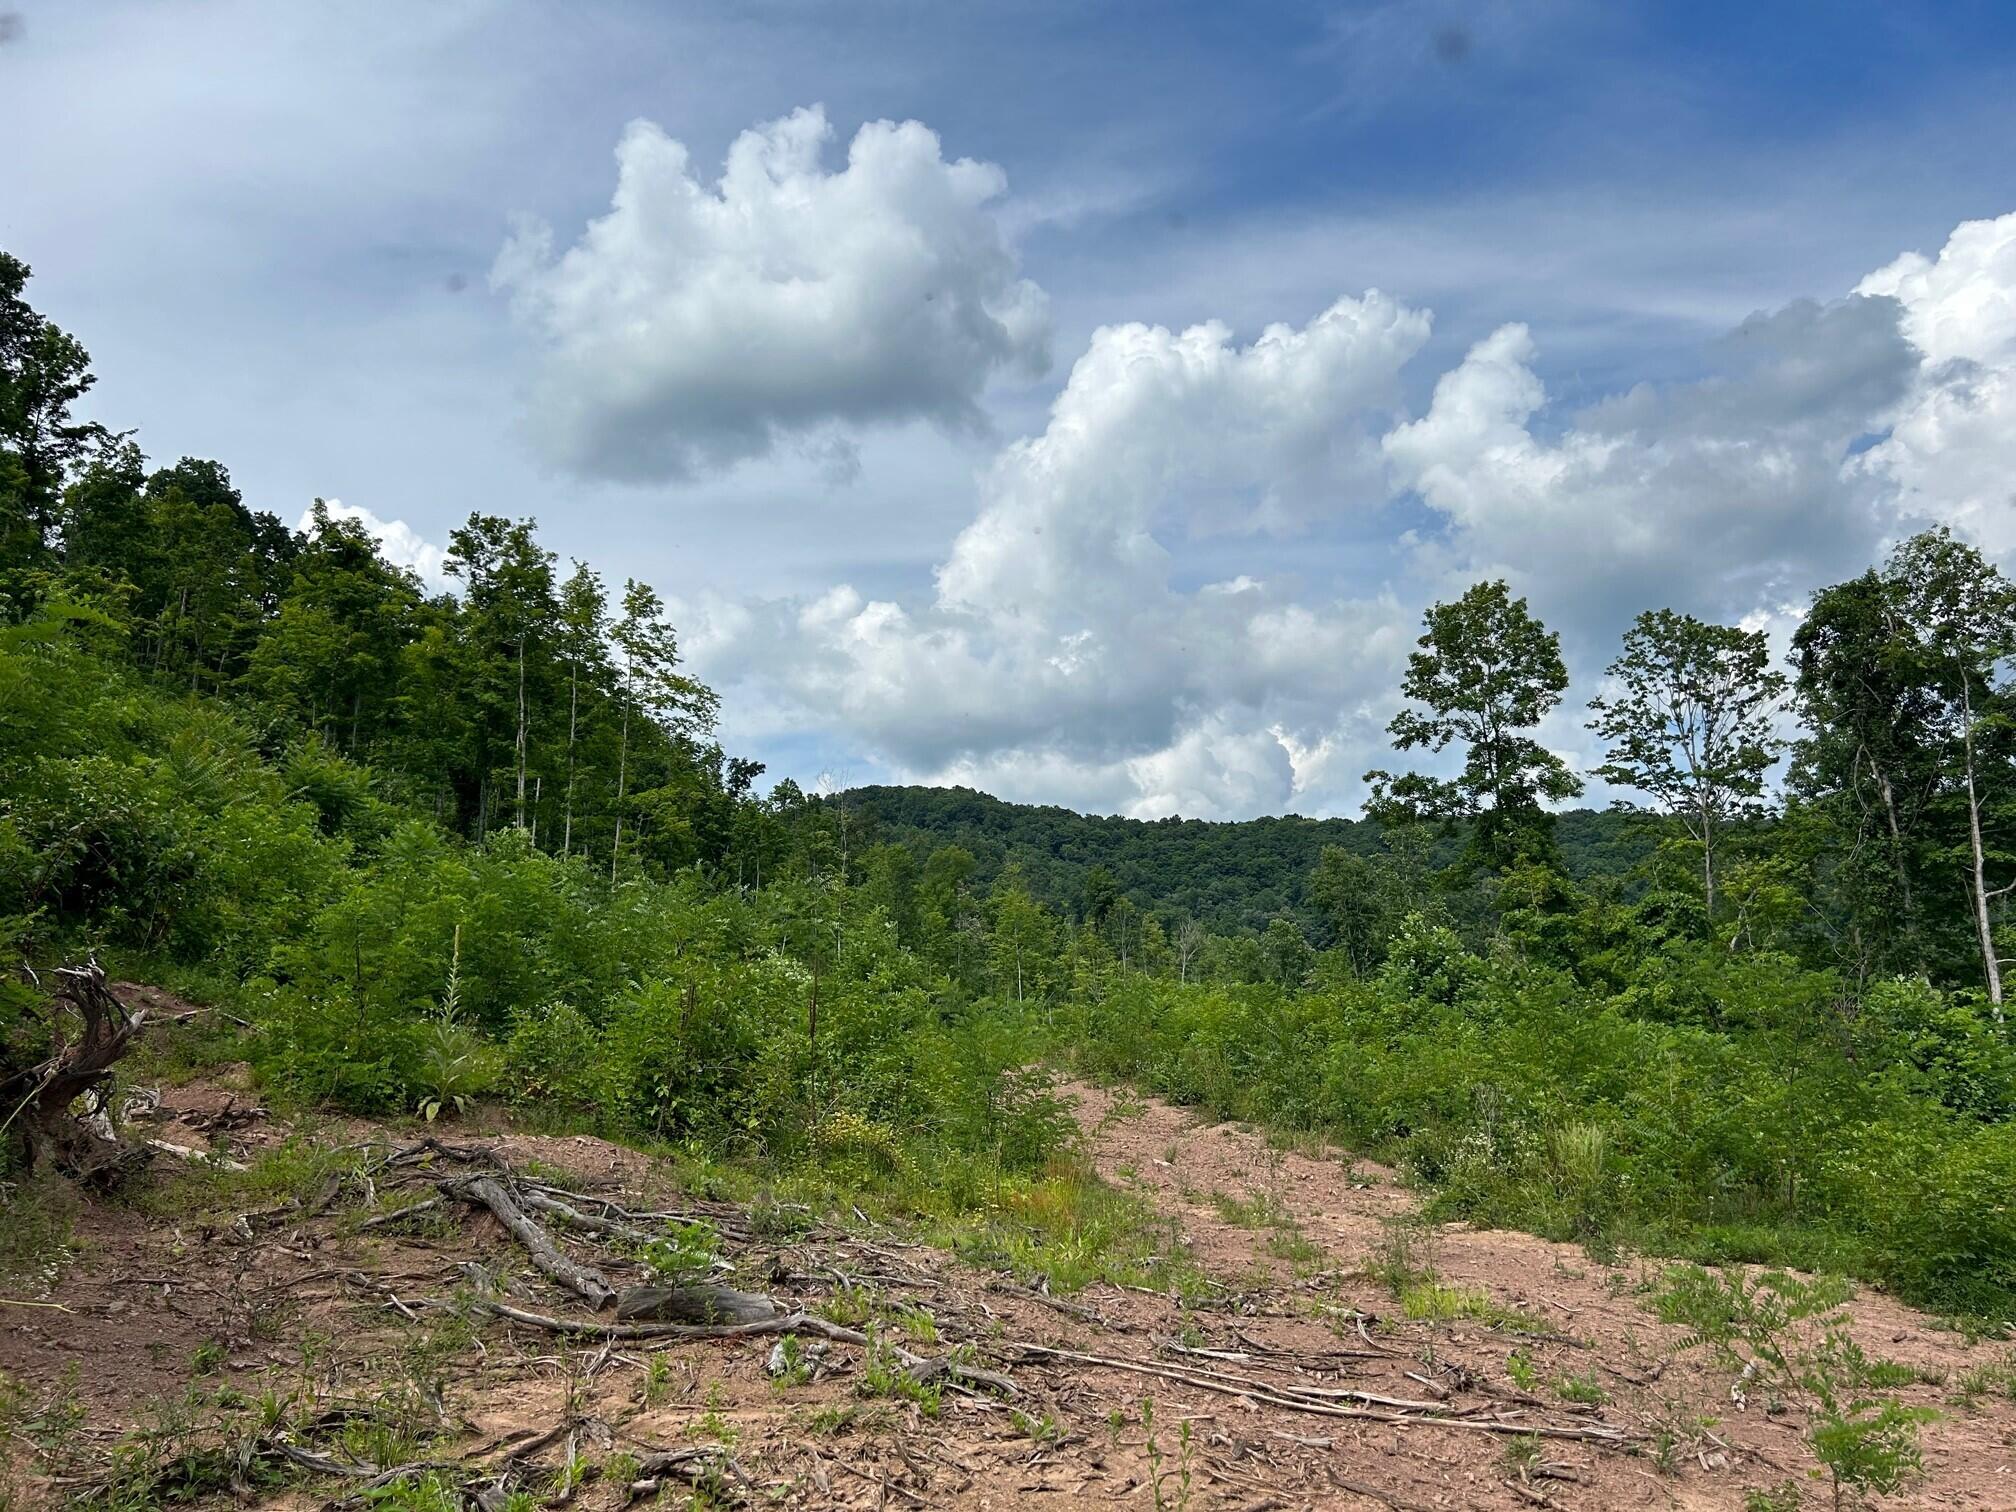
{"x":299,"y":1346}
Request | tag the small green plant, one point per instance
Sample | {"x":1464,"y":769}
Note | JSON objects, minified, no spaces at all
{"x":685,"y":1253}
{"x":1183,"y":1474}
{"x":1783,"y":1497}
{"x":1584,"y":1388}
{"x":918,"y":1323}
{"x":1044,"y":1429}
{"x":850,"y":1306}
{"x":1519,"y":1370}
{"x":1994,"y":1380}
{"x":713,"y":1423}
{"x":884,"y":1375}
{"x":456,"y":1065}
{"x":657,"y":1379}
{"x":1790,"y":1336}
{"x":790,"y":1366}
{"x":208,"y":1357}
{"x":428,"y":1492}
{"x":1405,"y":1257}
{"x":1521,"y":1455}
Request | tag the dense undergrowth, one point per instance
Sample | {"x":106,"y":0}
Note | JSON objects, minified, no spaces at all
{"x":1719,"y":1106}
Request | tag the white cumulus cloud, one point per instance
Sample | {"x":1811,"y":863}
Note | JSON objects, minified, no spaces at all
{"x":1950,"y":455}
{"x":695,"y":326}
{"x":1056,"y":653}
{"x":1072,"y":650}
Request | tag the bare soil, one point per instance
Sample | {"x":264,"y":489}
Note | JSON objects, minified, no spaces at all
{"x":1286,"y":1379}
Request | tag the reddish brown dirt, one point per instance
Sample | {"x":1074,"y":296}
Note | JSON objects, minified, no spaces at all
{"x":169,"y":1291}
{"x":1598,"y":1313}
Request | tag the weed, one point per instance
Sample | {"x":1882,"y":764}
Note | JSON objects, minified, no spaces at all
{"x":657,"y":1378}
{"x":1290,"y":1244}
{"x":428,"y":1492}
{"x":35,"y":1239}
{"x":1044,"y":1429}
{"x":884,"y":1375}
{"x":1521,"y":1455}
{"x":1432,"y":1302}
{"x":1783,"y":1497}
{"x":1157,"y":1480}
{"x":1405,"y":1257}
{"x":1791,"y":1336}
{"x":1519,"y":1369}
{"x":789,"y":1366}
{"x":1584,"y":1388}
{"x":714,"y":1422}
{"x":1996,"y":1380}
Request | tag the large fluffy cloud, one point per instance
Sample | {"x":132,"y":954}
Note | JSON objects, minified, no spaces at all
{"x":1951,"y":451}
{"x":1071,"y":653}
{"x":1056,"y":639}
{"x":1712,"y":496}
{"x":694,"y":326}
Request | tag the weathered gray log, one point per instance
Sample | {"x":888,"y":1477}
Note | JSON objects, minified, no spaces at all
{"x":547,"y":1256}
{"x":703,"y":1302}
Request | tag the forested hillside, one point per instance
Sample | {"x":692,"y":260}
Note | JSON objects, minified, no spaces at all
{"x":434,"y":851}
{"x":1231,"y":877}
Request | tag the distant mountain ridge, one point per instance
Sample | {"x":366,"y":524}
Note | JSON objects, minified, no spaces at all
{"x":1231,"y":875}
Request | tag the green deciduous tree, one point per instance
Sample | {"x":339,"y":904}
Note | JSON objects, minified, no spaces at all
{"x":1904,"y":679}
{"x":1689,"y":724}
{"x":1486,"y":674}
{"x":44,"y":371}
{"x":653,"y":688}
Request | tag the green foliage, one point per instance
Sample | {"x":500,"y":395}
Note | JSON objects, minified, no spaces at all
{"x":1487,"y":671}
{"x":1789,"y":1336}
{"x":685,"y":1253}
{"x":1690,"y":724}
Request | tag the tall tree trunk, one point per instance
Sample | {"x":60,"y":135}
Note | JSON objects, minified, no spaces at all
{"x":520,"y":743}
{"x":1896,"y":835}
{"x":573,"y":710}
{"x":1708,"y":864}
{"x":622,"y":788}
{"x":1984,"y":926}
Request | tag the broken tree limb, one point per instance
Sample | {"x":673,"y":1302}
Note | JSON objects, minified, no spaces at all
{"x":544,"y":1202}
{"x":920,"y":1367}
{"x":423,"y":1206}
{"x":1300,"y":1401}
{"x":547,"y":1256}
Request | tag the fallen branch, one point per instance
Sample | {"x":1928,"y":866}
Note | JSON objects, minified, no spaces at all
{"x":700,"y":1302}
{"x":542,"y":1201}
{"x":547,"y":1256}
{"x":919,"y":1366}
{"x":1322,"y":1404}
{"x":426,"y":1205}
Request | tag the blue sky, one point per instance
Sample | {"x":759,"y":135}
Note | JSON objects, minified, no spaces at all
{"x":916,"y":545}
